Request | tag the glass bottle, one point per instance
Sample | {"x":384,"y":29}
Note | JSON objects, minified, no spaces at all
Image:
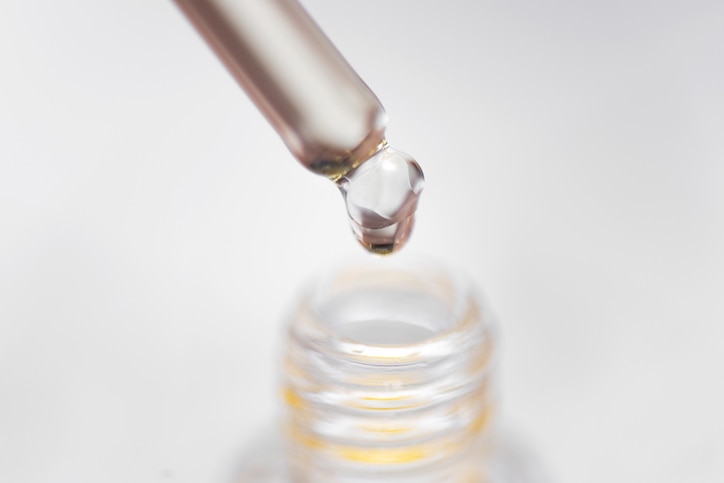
{"x":389,"y":375}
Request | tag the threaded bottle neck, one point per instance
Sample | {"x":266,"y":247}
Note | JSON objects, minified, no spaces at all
{"x":388,"y":374}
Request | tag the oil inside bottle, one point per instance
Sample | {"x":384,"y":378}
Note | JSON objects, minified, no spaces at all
{"x":381,"y":195}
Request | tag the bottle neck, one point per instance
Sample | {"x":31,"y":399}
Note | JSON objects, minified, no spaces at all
{"x":388,"y":375}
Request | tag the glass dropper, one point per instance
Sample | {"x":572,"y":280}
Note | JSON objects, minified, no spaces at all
{"x":327,"y":116}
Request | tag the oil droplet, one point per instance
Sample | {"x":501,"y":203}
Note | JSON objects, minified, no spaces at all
{"x":381,"y":196}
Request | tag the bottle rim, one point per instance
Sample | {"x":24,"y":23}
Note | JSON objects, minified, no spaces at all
{"x":466,"y":310}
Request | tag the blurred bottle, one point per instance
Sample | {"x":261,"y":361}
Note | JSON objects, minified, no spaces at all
{"x":389,"y":375}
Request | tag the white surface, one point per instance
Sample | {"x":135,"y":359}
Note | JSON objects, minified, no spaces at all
{"x":153,"y":230}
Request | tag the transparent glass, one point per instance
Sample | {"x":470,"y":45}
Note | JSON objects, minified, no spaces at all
{"x":327,"y":116}
{"x":389,"y":375}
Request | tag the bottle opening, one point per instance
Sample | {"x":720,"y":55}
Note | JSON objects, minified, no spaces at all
{"x":397,"y":310}
{"x":386,"y":316}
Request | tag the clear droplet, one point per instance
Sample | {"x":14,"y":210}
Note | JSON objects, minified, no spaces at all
{"x":381,"y":196}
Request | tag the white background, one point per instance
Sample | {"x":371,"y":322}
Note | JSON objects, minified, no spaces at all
{"x":154,"y":230}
